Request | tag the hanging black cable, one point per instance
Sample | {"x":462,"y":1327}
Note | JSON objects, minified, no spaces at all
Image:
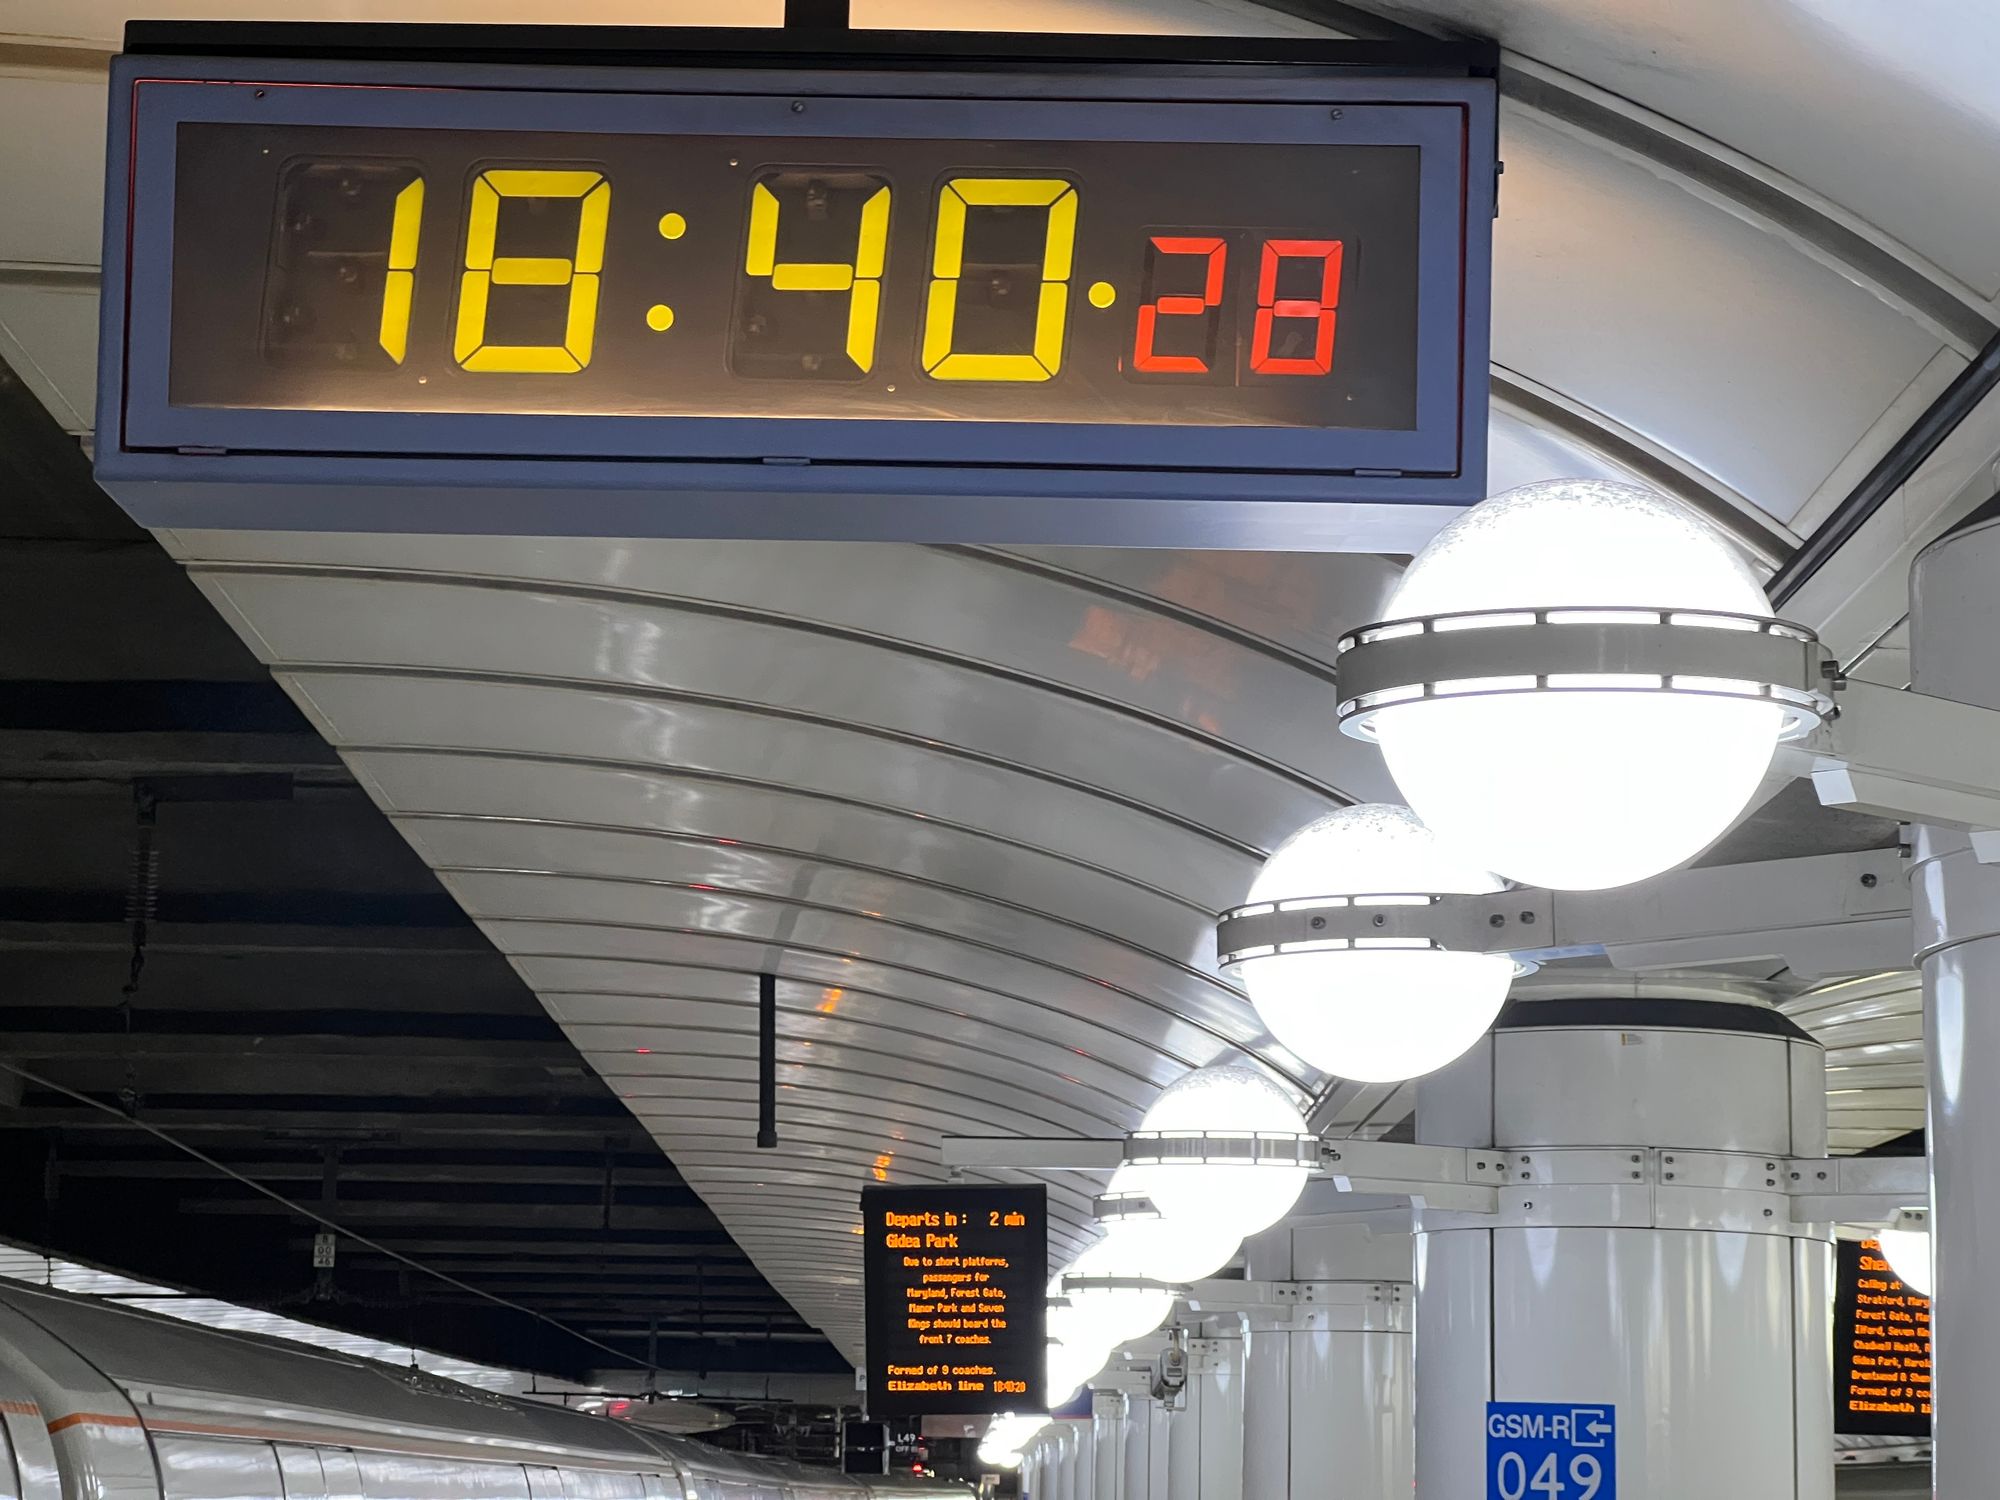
{"x":304,"y":1212}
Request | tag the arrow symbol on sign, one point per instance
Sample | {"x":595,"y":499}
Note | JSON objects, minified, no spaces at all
{"x":1598,"y":1429}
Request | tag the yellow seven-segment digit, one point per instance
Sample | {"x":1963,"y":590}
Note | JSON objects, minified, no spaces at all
{"x":862,"y":279}
{"x":400,"y":287}
{"x":955,"y":199}
{"x":486,"y":269}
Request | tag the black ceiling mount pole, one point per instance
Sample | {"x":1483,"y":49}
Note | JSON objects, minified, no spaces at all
{"x":767,"y":1062}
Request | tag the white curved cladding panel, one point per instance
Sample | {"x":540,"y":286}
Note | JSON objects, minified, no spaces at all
{"x":1328,"y":1414}
{"x":1454,"y":1316}
{"x":1693,"y":1336}
{"x":1081,"y":1460}
{"x":1888,"y":110}
{"x":652,"y":626}
{"x":1712,"y":337}
{"x":1145,"y":1450}
{"x":975,"y":808}
{"x":1205,"y":1436}
{"x":1110,"y":1417}
{"x":1701,"y":1090}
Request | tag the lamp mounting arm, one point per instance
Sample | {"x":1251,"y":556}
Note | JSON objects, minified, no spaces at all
{"x":1902,"y":754}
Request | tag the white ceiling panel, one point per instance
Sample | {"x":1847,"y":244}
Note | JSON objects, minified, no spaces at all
{"x":975,"y":809}
{"x":1886,"y":109}
{"x":48,"y":334}
{"x":1873,"y":1031}
{"x":62,"y":112}
{"x":1704,"y":332}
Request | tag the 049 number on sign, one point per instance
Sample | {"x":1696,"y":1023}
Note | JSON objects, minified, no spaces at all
{"x":1539,"y":1450}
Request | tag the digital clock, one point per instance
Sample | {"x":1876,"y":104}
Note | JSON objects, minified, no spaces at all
{"x":1042,"y":282}
{"x":1069,"y":282}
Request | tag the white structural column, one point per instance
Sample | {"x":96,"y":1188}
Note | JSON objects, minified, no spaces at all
{"x":1108,"y":1419}
{"x":1030,"y":1482}
{"x":1062,"y":1461}
{"x":1205,"y":1434}
{"x":1145,"y":1450}
{"x":1955,"y":653}
{"x":1643,"y":1259}
{"x":1328,"y":1383}
{"x":1080,"y":1454}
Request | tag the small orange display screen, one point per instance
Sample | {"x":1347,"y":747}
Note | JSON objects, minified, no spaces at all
{"x":956,"y":1299}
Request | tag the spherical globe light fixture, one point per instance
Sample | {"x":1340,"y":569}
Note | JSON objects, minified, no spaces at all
{"x":1007,"y":1436}
{"x":1579,"y":684}
{"x":1145,"y":1242}
{"x":1907,"y":1248}
{"x":1370,"y":1010}
{"x":1225,"y":1144}
{"x":1111,"y":1301}
{"x":1075,"y":1350}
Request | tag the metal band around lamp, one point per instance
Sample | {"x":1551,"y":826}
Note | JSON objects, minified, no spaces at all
{"x":1072,"y":1284}
{"x":1500,"y":922}
{"x":1483,"y":653}
{"x":1221,"y":1148}
{"x":1118,"y":1208}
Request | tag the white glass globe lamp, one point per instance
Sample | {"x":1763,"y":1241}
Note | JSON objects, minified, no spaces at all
{"x":1589,"y":782}
{"x":1100,"y":1317}
{"x":1163,"y":1249}
{"x":1373,"y":1014}
{"x":1907,"y":1248}
{"x":1189,"y":1154}
{"x":1007,"y":1436}
{"x":1075,"y":1350}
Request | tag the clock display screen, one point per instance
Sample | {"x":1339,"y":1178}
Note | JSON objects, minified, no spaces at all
{"x":1144,"y":282}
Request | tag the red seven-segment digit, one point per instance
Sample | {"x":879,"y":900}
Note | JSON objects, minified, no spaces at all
{"x":1270,"y":307}
{"x":1143,"y":357}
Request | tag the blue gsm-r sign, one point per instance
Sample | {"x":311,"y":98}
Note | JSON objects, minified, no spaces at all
{"x":1547,"y":1450}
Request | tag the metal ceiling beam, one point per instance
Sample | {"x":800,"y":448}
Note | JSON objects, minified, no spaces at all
{"x":49,"y":761}
{"x":693,"y":1286}
{"x":330,"y":1049}
{"x":320,"y":1123}
{"x":329,"y":909}
{"x":465,"y":983}
{"x":320,"y":1025}
{"x":370,"y":1213}
{"x":444,"y":1174}
{"x":717,"y":1251}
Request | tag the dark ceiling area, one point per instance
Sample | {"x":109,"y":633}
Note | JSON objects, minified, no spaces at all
{"x":206,"y":928}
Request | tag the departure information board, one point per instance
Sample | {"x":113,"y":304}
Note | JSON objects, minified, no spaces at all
{"x":956,"y":1288}
{"x":1881,"y":1348}
{"x":398,"y":275}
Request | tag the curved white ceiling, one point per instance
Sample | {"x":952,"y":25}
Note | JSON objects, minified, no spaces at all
{"x":977,"y":808}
